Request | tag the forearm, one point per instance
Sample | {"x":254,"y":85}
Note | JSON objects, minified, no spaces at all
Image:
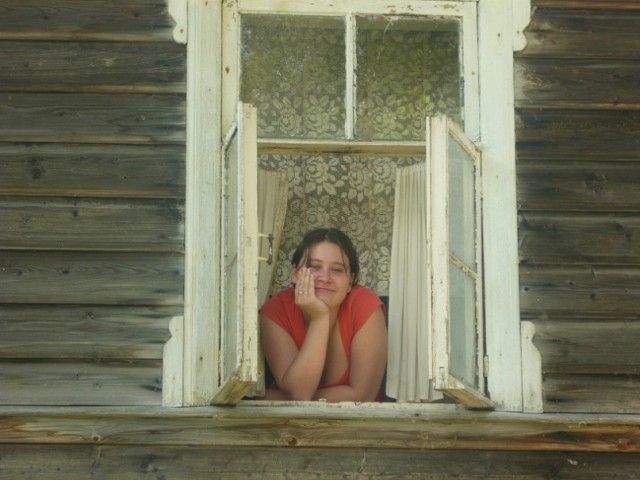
{"x":302,"y":377}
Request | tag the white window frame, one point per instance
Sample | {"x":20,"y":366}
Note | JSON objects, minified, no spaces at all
{"x":500,"y":24}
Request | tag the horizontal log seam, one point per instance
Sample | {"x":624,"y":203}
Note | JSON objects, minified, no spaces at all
{"x":318,"y":425}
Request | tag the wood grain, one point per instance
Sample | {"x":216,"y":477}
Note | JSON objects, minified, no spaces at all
{"x":577,"y":83}
{"x":546,"y":289}
{"x":91,"y":278}
{"x":121,"y":67}
{"x":307,"y":425}
{"x":589,"y":346}
{"x":89,"y":332}
{"x":79,"y":462}
{"x":92,"y":170}
{"x":114,"y":20}
{"x":611,"y":5}
{"x":92,"y":118}
{"x":591,"y":393}
{"x":575,"y":185}
{"x":567,"y":238}
{"x":55,"y":223}
{"x":578,"y":132}
{"x":33,"y":382}
{"x":558,"y":33}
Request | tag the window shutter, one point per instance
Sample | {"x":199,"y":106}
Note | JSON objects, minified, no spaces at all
{"x":238,"y":361}
{"x":456,"y":260}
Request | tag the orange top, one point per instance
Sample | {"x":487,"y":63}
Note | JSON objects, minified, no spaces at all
{"x":354,"y":312}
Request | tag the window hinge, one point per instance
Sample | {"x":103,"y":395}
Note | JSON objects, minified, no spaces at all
{"x":485,"y":366}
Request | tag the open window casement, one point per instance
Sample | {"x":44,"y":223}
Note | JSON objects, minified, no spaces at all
{"x":239,"y":359}
{"x":456,"y":264}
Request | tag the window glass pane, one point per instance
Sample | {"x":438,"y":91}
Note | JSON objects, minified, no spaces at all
{"x":461,"y":204}
{"x":350,"y":192}
{"x":293,"y":71}
{"x":463,"y":340}
{"x":406,"y":69}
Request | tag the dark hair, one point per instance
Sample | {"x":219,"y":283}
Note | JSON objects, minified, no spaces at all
{"x":335,"y":236}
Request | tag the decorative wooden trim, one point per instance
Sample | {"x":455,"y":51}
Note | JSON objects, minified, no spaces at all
{"x":178,"y":11}
{"x":314,"y":424}
{"x":532,"y":370}
{"x":521,"y":18}
{"x":201,"y":305}
{"x":500,"y":240}
{"x":172,"y":360}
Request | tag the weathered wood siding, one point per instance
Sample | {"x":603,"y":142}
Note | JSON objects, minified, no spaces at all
{"x":92,"y":148}
{"x":73,"y":462}
{"x":578,"y":148}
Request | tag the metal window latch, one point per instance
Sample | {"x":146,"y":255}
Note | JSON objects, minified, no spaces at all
{"x":269,"y":237}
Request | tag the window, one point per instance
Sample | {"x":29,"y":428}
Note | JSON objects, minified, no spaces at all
{"x":342,"y":126}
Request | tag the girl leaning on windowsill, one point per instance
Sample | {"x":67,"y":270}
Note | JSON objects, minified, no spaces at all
{"x":324,"y":337}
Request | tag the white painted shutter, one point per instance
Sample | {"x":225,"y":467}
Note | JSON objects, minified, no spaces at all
{"x":456,"y":260}
{"x":238,"y":361}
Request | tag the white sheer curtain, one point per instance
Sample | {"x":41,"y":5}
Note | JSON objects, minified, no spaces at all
{"x":409,"y":358}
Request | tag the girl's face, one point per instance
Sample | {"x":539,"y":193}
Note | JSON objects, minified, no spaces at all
{"x":330,"y":269}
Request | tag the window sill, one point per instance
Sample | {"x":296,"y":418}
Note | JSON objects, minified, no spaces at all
{"x":315,"y":424}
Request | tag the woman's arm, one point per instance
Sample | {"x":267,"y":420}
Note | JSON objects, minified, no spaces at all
{"x":298,"y":372}
{"x":368,"y":362}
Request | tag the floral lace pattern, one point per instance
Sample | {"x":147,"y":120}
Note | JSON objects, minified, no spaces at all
{"x":293,"y":70}
{"x":294,"y":73}
{"x":404,"y":76}
{"x":353,"y":193}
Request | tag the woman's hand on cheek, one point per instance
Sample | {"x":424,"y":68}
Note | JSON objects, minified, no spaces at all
{"x":305,"y":296}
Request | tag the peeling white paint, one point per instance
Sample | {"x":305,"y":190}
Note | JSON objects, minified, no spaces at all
{"x":521,"y":17}
{"x":178,"y":11}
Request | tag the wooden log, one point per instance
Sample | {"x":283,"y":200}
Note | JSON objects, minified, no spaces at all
{"x":79,"y":462}
{"x":92,"y":331}
{"x":589,"y":4}
{"x":570,"y":83}
{"x":578,"y":132}
{"x":309,"y":424}
{"x":556,"y":33}
{"x":92,"y":118}
{"x":578,"y":186}
{"x":567,"y":238}
{"x":31,"y":382}
{"x":591,"y":393}
{"x":53,"y":223}
{"x":589,"y":346}
{"x":92,"y":170}
{"x":119,"y":20}
{"x":93,"y":67}
{"x":105,"y":278}
{"x":547,"y":289}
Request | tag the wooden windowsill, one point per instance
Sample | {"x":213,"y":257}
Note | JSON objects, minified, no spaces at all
{"x":314,"y":424}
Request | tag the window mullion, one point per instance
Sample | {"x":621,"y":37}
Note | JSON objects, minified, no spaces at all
{"x":350,"y":71}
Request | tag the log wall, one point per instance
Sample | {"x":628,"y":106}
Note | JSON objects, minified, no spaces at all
{"x":195,"y":463}
{"x":578,"y":167}
{"x":92,"y":148}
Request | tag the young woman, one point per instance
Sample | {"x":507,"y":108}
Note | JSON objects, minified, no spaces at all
{"x":325,"y":337}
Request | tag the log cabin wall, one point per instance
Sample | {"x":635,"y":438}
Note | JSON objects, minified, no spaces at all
{"x":92,"y":148}
{"x":578,"y":167}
